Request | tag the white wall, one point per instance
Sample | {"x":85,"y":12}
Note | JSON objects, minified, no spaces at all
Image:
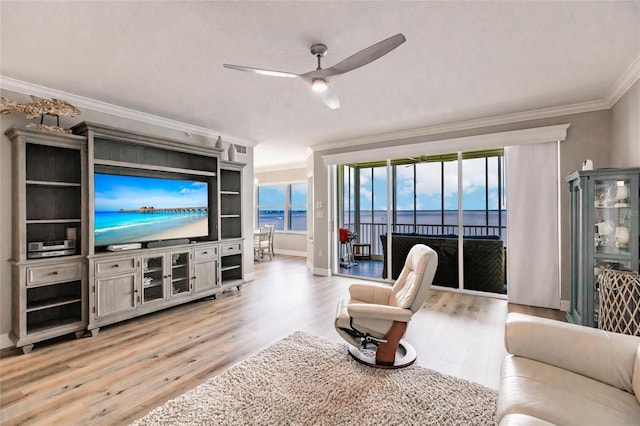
{"x":625,"y":129}
{"x":7,"y":121}
{"x":290,"y":243}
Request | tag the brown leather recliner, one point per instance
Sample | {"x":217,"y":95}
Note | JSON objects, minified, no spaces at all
{"x":378,"y":314}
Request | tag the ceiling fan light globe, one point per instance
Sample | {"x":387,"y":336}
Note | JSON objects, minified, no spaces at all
{"x":319,"y":85}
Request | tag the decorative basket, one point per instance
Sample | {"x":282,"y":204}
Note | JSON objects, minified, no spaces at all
{"x":619,"y":301}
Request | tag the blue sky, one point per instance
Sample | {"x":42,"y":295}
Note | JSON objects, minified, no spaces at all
{"x":275,"y":195}
{"x":115,"y":192}
{"x":428,"y":186}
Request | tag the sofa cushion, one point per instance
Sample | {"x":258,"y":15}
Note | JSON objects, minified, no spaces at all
{"x":523,"y":420}
{"x":635,"y":381}
{"x":601,"y":355}
{"x":562,"y":397}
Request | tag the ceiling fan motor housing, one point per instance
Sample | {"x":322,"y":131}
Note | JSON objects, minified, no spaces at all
{"x":318,"y":49}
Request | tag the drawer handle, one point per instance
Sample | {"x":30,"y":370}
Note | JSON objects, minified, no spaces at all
{"x":116,"y":265}
{"x":54,"y":273}
{"x":205,"y":252}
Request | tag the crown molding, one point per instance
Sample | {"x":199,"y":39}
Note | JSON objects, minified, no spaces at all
{"x":280,"y":167}
{"x":466,"y":125}
{"x":544,"y":134}
{"x":308,"y":153}
{"x":624,"y":83}
{"x":27,"y":88}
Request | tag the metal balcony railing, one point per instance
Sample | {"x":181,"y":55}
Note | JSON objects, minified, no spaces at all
{"x":369,"y":233}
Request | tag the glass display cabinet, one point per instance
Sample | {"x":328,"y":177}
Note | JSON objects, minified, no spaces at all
{"x":153,"y":288}
{"x":603,"y":233}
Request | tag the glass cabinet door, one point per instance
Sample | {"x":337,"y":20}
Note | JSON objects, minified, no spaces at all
{"x":180,"y":279}
{"x":153,"y":278}
{"x":601,"y":263}
{"x":576,"y":236}
{"x":612,"y":216}
{"x":613,"y":229}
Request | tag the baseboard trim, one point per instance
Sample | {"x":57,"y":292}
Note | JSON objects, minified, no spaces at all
{"x":291,"y":253}
{"x":323,"y":272}
{"x":5,"y":342}
{"x":250,"y":276}
{"x":565,"y":305}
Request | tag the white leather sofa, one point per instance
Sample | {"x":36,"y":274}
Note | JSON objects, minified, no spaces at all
{"x":557,"y":373}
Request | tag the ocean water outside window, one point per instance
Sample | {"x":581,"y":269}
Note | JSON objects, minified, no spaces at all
{"x":284,"y":205}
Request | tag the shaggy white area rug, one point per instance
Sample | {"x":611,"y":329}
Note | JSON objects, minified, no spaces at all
{"x":306,"y":379}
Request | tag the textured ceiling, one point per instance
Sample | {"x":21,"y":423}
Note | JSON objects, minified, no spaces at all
{"x":461,"y":61}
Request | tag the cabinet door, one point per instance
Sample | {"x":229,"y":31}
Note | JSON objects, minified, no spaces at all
{"x":116,"y":294}
{"x":576,"y":236}
{"x":205,"y":275}
{"x":153,"y":278}
{"x":613,"y":217}
{"x":179,"y":267}
{"x":613,"y":225}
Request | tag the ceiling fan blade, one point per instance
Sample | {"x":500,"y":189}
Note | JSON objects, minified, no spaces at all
{"x":330,"y":98}
{"x":366,"y":56}
{"x":270,"y":73}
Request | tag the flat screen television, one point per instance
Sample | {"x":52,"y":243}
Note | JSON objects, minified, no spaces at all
{"x":135,"y":209}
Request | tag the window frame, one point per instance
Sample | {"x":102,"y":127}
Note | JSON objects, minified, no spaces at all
{"x":286,"y":208}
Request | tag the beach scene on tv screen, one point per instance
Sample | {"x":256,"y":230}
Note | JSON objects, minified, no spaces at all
{"x":130,"y":209}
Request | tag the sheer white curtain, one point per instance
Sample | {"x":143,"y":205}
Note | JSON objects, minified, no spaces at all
{"x":533,"y":265}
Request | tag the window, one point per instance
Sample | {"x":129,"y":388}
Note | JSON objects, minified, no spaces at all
{"x":458,"y":193}
{"x":425,"y":196}
{"x":298,"y":207}
{"x":284,"y":205}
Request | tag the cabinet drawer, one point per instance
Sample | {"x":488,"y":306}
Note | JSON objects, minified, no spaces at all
{"x":230,"y":248}
{"x":115,"y":266}
{"x":55,"y":273}
{"x":205,"y":253}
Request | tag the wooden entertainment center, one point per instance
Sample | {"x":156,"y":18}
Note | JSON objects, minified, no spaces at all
{"x":61,"y":281}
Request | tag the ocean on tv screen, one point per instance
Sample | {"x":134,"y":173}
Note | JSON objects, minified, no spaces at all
{"x":128,"y":227}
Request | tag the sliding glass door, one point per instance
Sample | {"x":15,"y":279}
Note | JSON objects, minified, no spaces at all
{"x":484,"y":218}
{"x":453,"y":202}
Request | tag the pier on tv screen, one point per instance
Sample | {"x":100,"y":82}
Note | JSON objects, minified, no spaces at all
{"x":133,"y":209}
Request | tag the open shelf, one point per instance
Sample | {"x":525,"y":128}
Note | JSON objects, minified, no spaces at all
{"x":52,"y":183}
{"x":44,"y":325}
{"x":231,"y":227}
{"x":231,"y":267}
{"x":110,"y":151}
{"x":49,"y":163}
{"x":228,"y":268}
{"x":52,"y":303}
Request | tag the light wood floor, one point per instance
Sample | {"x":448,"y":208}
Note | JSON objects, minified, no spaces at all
{"x":132,"y":367}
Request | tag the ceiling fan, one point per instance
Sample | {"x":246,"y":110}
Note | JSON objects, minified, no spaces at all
{"x":318,"y":78}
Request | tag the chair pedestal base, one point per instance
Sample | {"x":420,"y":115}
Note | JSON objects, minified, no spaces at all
{"x":405,"y":356}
